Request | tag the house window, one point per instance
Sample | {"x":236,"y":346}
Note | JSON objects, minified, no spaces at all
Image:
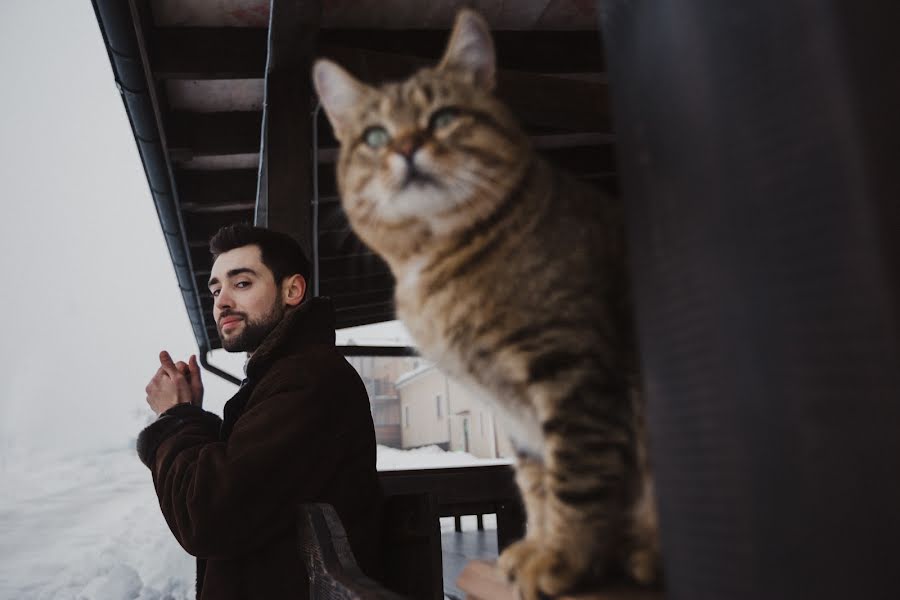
{"x":437,"y":401}
{"x":406,"y":415}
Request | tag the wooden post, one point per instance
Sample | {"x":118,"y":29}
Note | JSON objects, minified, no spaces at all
{"x":285,"y":178}
{"x":510,"y":523}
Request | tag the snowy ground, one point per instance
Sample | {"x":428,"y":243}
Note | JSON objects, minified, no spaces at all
{"x":89,"y":527}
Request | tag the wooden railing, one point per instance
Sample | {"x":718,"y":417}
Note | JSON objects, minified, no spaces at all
{"x":411,"y":543}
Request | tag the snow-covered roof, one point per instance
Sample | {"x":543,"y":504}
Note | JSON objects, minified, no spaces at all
{"x":405,"y":378}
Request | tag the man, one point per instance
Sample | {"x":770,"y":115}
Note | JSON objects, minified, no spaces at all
{"x":298,"y":430}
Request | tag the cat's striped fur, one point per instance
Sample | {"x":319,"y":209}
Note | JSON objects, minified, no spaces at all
{"x":512,"y":277}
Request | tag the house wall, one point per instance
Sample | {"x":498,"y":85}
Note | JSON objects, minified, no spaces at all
{"x":464,"y":423}
{"x":421,"y":421}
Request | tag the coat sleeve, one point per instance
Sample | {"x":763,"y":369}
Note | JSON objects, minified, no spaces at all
{"x":176,"y":418}
{"x":224,"y":499}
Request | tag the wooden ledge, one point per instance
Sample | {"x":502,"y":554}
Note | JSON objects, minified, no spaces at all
{"x":481,"y":581}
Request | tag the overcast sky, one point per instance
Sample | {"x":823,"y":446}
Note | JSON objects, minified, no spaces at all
{"x":90,"y":296}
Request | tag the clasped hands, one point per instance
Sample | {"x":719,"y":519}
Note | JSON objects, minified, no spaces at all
{"x":174,"y":383}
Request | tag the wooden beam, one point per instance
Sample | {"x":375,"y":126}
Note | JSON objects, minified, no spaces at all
{"x":226,"y":133}
{"x":191,"y":134}
{"x":532,"y":51}
{"x":240,"y":52}
{"x":285,"y":192}
{"x":555,"y":102}
{"x":540,"y":143}
{"x":204,"y":225}
{"x":209,"y":53}
{"x":202,"y":188}
{"x":217,"y":208}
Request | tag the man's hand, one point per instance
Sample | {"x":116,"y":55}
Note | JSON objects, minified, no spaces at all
{"x":170,"y":386}
{"x":191,"y":371}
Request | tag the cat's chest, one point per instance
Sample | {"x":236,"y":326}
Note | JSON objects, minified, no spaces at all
{"x":419,"y":309}
{"x":409,"y":279}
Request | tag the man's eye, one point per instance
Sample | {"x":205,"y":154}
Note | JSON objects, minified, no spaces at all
{"x":376,"y":137}
{"x":242,"y":284}
{"x":214,"y":293}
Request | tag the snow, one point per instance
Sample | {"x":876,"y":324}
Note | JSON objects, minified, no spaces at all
{"x":429,"y":457}
{"x":88,"y":527}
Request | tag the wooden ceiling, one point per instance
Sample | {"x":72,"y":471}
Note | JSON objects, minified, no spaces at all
{"x":208,"y":63}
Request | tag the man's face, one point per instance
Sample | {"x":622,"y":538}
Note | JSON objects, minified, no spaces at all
{"x":247,"y":301}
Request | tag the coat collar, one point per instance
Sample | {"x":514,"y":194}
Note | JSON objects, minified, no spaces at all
{"x":310,"y":323}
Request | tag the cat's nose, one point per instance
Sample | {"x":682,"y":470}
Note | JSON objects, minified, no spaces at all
{"x":407,"y":147}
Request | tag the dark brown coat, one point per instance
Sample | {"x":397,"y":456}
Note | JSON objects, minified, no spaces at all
{"x":298,"y":430}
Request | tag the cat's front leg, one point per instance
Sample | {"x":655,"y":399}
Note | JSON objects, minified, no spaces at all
{"x":530,"y":480}
{"x":586,"y":462}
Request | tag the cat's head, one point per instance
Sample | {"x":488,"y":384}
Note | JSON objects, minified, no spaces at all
{"x":438,"y":148}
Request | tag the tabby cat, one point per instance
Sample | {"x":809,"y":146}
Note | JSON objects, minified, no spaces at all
{"x":511,"y":276}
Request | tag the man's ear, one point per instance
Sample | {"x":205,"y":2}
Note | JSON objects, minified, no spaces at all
{"x":293,"y":290}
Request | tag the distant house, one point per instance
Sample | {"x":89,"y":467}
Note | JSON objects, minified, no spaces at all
{"x":379,"y":374}
{"x":386,"y":416}
{"x":436,"y":409}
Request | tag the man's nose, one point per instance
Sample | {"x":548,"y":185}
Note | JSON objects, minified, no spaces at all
{"x":223,"y":300}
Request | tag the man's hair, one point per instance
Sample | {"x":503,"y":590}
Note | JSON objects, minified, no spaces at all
{"x":279,"y":252}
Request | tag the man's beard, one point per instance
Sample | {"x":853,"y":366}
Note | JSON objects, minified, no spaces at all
{"x":255,"y":331}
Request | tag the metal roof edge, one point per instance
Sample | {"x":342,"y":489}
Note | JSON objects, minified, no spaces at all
{"x":116,"y":25}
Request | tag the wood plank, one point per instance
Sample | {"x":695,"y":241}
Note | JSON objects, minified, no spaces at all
{"x":548,"y":143}
{"x":204,"y":225}
{"x":191,"y":134}
{"x":532,"y":51}
{"x":216,"y":187}
{"x":209,"y":52}
{"x":239,"y":132}
{"x":482,"y":581}
{"x":328,"y":556}
{"x":240,"y":52}
{"x":455,"y":485}
{"x":234,"y":207}
{"x":458,"y":549}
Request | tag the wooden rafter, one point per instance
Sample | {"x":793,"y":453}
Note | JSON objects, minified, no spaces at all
{"x":215,"y":188}
{"x":240,"y":52}
{"x":209,"y":53}
{"x":222,"y":133}
{"x":213,"y":133}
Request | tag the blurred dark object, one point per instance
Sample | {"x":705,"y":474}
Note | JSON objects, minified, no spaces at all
{"x":759,"y":145}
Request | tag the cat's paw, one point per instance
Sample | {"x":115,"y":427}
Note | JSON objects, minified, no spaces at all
{"x":540,"y":571}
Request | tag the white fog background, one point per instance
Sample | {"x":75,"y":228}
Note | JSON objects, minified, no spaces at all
{"x":89,"y":299}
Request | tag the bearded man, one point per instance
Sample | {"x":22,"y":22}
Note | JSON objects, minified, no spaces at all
{"x":298,"y":430}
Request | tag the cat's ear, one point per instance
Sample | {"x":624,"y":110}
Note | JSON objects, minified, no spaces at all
{"x":471,"y":49}
{"x":339,"y":92}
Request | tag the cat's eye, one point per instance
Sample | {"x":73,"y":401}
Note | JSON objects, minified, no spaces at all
{"x":443,"y":117}
{"x":376,"y":137}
